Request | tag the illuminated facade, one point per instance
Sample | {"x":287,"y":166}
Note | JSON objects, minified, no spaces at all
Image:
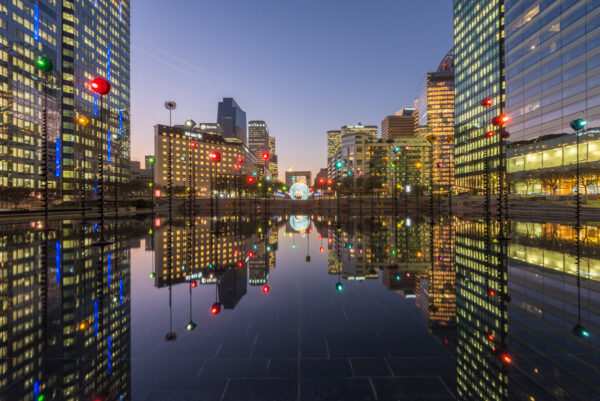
{"x":273,"y":162}
{"x":334,"y":141}
{"x":406,"y":168}
{"x":546,"y":165}
{"x":479,"y":74}
{"x":258,"y":137}
{"x":191,"y":148}
{"x":435,"y":109}
{"x":84,"y":40}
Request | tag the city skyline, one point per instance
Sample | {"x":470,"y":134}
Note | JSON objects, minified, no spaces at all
{"x":301,"y":83}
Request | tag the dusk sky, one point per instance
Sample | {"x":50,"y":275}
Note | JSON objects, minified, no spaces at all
{"x":303,"y":66}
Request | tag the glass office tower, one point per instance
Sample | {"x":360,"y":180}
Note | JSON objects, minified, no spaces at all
{"x":84,"y":39}
{"x":479,"y":74}
{"x":552,"y":66}
{"x":232,"y":119}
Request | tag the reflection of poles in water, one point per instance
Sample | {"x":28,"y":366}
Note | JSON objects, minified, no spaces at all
{"x":171,"y":335}
{"x":308,"y":231}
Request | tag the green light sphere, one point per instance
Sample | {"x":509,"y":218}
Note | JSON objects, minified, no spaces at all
{"x":44,"y":64}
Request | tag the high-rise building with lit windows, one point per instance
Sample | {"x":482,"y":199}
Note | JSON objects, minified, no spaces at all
{"x":334,"y":142}
{"x":179,"y":152}
{"x":84,"y":39}
{"x":258,"y":137}
{"x":435,"y":120}
{"x":273,"y":162}
{"x":479,"y":74}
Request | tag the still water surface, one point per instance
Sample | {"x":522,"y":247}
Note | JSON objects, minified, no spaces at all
{"x":299,"y":308}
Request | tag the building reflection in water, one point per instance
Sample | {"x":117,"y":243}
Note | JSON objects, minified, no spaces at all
{"x":65,"y":325}
{"x":241,"y":252}
{"x":547,"y":360}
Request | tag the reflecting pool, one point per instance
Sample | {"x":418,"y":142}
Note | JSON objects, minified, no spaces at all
{"x":299,"y":308}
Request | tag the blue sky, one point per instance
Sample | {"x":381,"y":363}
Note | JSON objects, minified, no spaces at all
{"x":303,"y":66}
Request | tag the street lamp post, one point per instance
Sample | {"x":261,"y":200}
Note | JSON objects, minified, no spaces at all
{"x":83,"y":121}
{"x":577,"y":126}
{"x":152,"y":161}
{"x":102,"y":88}
{"x":45,"y":65}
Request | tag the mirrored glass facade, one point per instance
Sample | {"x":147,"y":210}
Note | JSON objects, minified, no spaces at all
{"x":552,"y":66}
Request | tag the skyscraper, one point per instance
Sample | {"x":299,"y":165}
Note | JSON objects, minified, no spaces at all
{"x":402,"y":123}
{"x":258,"y":137}
{"x":273,"y":163}
{"x":334,"y":142}
{"x":232,"y":119}
{"x":479,"y":74}
{"x":435,"y":111}
{"x":100,"y":35}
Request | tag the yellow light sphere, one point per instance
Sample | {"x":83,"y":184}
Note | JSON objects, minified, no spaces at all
{"x":83,"y":121}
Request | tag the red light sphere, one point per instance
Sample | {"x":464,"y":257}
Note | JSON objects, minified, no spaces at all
{"x":321,"y":181}
{"x":491,"y":293}
{"x":236,"y":167}
{"x":329,"y":182}
{"x":193,"y":144}
{"x":489,"y":134}
{"x":487,"y":102}
{"x":235,"y":252}
{"x":266,"y":289}
{"x":100,"y":86}
{"x":215,"y":309}
{"x":265,"y":155}
{"x":251,"y":254}
{"x":240,"y":160}
{"x":194,"y":284}
{"x":240,"y":264}
{"x":321,"y":249}
{"x":506,"y":358}
{"x":250,"y":180}
{"x":214,"y":156}
{"x":500,"y":120}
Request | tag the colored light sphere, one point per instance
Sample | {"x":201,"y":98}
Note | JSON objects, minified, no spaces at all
{"x":240,"y":160}
{"x":265,"y":156}
{"x":215,"y":309}
{"x":266,"y":289}
{"x":214,"y":156}
{"x":578,"y":124}
{"x":500,"y":120}
{"x":100,"y":86}
{"x":44,"y":64}
{"x":83,"y":121}
{"x":339,"y":287}
{"x":487,"y":102}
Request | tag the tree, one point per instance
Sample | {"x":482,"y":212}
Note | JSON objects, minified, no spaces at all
{"x":14,"y":195}
{"x":589,"y":176}
{"x":551,"y":179}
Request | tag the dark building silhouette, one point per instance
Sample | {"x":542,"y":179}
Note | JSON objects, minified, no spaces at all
{"x":232,"y":119}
